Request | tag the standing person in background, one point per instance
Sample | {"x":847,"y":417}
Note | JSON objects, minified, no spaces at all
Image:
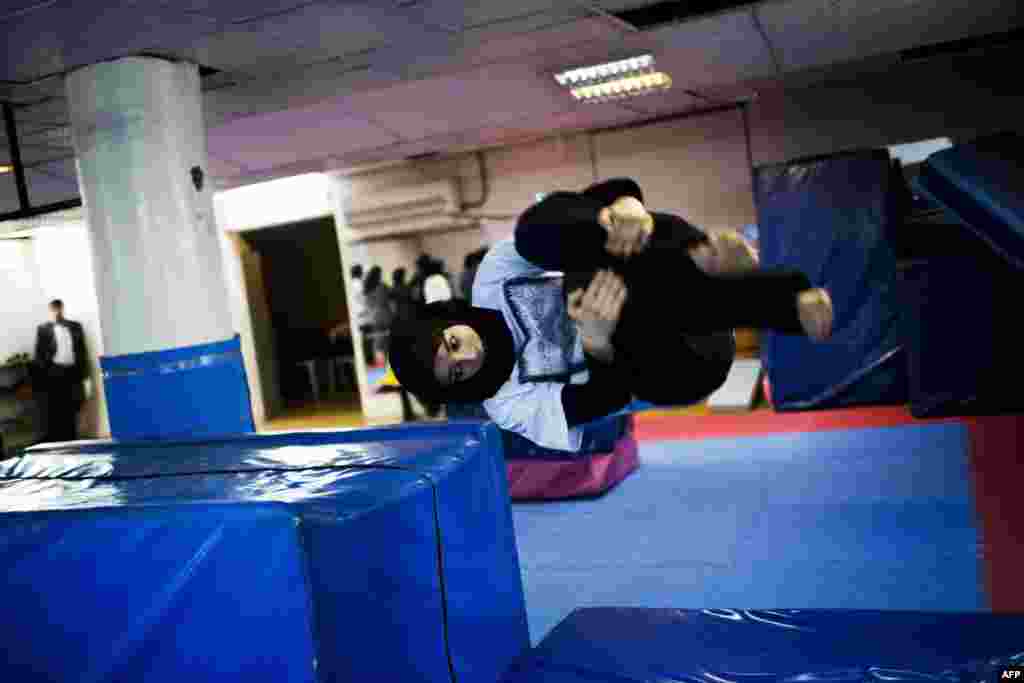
{"x":469,"y":268}
{"x":358,"y":313}
{"x":401,"y":295}
{"x":379,"y":310}
{"x":61,"y":368}
{"x":358,"y":302}
{"x":437,"y":285}
{"x":423,"y":264}
{"x":431,"y":283}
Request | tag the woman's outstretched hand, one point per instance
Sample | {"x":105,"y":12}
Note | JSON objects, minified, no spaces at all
{"x":596,"y":311}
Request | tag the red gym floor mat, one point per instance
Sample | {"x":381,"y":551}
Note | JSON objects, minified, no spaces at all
{"x":661,"y":427}
{"x":997,"y":462}
{"x":996,"y":452}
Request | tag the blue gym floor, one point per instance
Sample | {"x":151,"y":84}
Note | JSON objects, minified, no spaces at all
{"x":871,"y":518}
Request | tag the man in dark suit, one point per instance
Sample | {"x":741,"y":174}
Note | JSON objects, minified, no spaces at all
{"x":61,"y":367}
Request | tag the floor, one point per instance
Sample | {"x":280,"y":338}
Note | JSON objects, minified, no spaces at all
{"x":791,"y":503}
{"x":799,"y":519}
{"x":335,"y":413}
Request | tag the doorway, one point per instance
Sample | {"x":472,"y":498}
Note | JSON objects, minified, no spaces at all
{"x":296,"y":290}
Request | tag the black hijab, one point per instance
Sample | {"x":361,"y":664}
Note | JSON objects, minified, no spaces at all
{"x":414,"y":343}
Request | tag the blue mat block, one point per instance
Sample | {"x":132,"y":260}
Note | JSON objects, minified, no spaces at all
{"x":383,"y":554}
{"x":962,"y":351}
{"x":864,"y":519}
{"x":979,"y":184}
{"x":830,"y":217}
{"x":178,"y":393}
{"x":718,"y":645}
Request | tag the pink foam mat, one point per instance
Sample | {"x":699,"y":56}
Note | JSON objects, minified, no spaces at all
{"x":577,"y":478}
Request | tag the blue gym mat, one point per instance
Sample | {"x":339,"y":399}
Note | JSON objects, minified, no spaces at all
{"x":829,"y":218}
{"x":379,"y":554}
{"x":864,"y":519}
{"x":615,"y":645}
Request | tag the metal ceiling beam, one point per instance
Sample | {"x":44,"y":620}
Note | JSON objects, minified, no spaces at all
{"x":15,"y":149}
{"x":41,"y":210}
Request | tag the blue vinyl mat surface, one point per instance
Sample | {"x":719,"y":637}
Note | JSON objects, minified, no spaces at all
{"x":622,"y":645}
{"x":861,"y":519}
{"x":378,"y":554}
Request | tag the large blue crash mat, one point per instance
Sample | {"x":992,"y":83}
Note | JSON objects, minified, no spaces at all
{"x":730,"y":646}
{"x":374,"y":555}
{"x":962,"y":350}
{"x":981,"y":185}
{"x":830,"y":218}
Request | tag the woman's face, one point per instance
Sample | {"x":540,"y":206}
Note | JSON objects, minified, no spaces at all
{"x":460,"y":356}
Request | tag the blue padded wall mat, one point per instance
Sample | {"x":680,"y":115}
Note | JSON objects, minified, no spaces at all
{"x":403,"y":566}
{"x":829,"y":217}
{"x":731,"y":645}
{"x":178,"y":392}
{"x":979,"y":184}
{"x":873,"y":518}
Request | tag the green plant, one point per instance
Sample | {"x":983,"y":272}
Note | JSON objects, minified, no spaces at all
{"x":18,"y":359}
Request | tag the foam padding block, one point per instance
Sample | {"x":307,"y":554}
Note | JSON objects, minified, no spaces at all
{"x":576,"y":477}
{"x":624,"y":645}
{"x":829,"y":217}
{"x":369,"y":555}
{"x":867,"y":519}
{"x":962,"y":359}
{"x":979,"y":184}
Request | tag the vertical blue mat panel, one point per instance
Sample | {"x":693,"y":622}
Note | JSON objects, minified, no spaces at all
{"x":165,"y":606}
{"x":774,"y":645}
{"x":405,"y":564}
{"x":829,"y":217}
{"x":869,"y":519}
{"x":197,"y":390}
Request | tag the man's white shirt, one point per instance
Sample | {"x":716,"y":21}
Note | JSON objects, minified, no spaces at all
{"x":65,"y":346}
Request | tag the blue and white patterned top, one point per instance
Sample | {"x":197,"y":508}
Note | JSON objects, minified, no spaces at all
{"x":548,"y":347}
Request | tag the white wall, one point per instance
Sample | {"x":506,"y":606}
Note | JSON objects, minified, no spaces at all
{"x":695,"y":167}
{"x":63,"y":258}
{"x":22,"y":304}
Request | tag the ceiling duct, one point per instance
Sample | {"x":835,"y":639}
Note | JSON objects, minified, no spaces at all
{"x":406,"y":210}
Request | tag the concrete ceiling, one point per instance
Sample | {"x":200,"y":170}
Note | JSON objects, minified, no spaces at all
{"x":304,"y":85}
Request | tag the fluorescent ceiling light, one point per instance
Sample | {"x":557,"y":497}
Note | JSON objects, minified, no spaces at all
{"x":614,"y":80}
